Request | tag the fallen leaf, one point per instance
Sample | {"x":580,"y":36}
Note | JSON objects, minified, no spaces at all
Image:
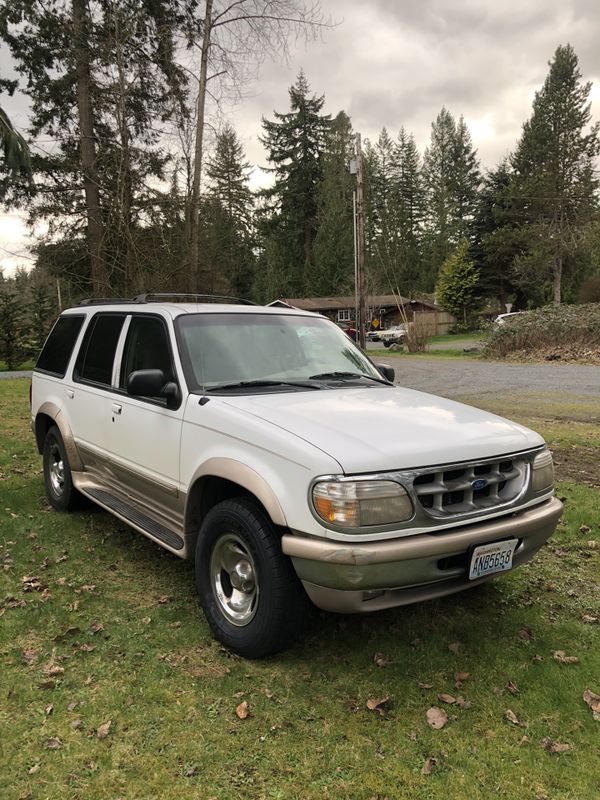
{"x":47,"y":685}
{"x":511,"y":717}
{"x":88,"y":587}
{"x":462,"y":703}
{"x":146,"y":620}
{"x":429,"y":766}
{"x":164,"y":598}
{"x":554,"y":747}
{"x":425,"y":685}
{"x":454,"y":647}
{"x":374,"y":704}
{"x":71,"y":706}
{"x":413,"y":736}
{"x":461,"y":676}
{"x":416,"y":643}
{"x":175,"y":624}
{"x":86,"y":648}
{"x":526,"y":635}
{"x":53,"y":670}
{"x":512,"y":687}
{"x":592,"y":544}
{"x":77,"y":724}
{"x":584,"y":528}
{"x":103,"y":730}
{"x":30,"y":656}
{"x":53,"y":743}
{"x":523,"y":740}
{"x":70,"y":631}
{"x":537,"y":658}
{"x":382,"y":660}
{"x":436,"y":718}
{"x":268,"y":694}
{"x":48,"y":710}
{"x":590,"y":619}
{"x":559,"y":655}
{"x":593,"y":701}
{"x":243,"y":710}
{"x":88,"y":680}
{"x":447,"y":698}
{"x":32,"y":770}
{"x":96,"y":627}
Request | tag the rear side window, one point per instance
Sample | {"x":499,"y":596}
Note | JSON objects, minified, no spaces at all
{"x":97,"y":354}
{"x":56,"y":353}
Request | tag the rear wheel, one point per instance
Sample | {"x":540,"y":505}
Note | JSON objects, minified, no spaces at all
{"x":61,"y":493}
{"x":249,"y":592}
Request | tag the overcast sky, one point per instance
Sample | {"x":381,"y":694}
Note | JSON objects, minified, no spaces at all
{"x":397,"y":62}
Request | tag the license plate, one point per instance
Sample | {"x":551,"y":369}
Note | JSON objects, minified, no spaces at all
{"x":488,"y":559}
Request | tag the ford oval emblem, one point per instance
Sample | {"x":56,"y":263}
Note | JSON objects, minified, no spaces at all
{"x":480,"y":483}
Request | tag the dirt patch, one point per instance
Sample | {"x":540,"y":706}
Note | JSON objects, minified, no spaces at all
{"x":577,"y":464}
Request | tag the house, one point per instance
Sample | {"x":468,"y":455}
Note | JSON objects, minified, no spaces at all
{"x":384,"y":310}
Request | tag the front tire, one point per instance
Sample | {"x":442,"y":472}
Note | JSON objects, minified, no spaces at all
{"x":60,"y":491}
{"x":249,"y":592}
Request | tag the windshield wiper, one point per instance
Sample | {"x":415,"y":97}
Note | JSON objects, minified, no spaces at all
{"x":260,"y":383}
{"x":346,"y":376}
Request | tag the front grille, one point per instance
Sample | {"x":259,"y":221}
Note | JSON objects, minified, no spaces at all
{"x":467,"y":488}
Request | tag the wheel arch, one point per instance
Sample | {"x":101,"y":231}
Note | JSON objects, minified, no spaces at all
{"x":49,"y":414}
{"x":221,"y":479}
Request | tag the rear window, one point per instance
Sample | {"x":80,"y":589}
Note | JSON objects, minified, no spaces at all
{"x":56,"y":353}
{"x":95,"y":361}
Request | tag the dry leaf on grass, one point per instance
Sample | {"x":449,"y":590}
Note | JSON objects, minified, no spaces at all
{"x":425,"y":685}
{"x":554,"y":747}
{"x":436,"y":718}
{"x":29,"y":656}
{"x":593,"y":701}
{"x":512,"y":687}
{"x":77,"y":724}
{"x":146,"y":620}
{"x":526,"y":635}
{"x":559,"y":655}
{"x":164,"y":598}
{"x":48,"y":710}
{"x":454,"y":647}
{"x":243,"y":710}
{"x":32,"y":770}
{"x":446,"y":698}
{"x":72,"y":630}
{"x":377,"y":704}
{"x":382,"y":660}
{"x":462,"y":703}
{"x":584,"y":528}
{"x":53,"y":670}
{"x":103,"y":730}
{"x":511,"y":717}
{"x":429,"y":766}
{"x":96,"y":627}
{"x":54,"y":743}
{"x":590,"y":619}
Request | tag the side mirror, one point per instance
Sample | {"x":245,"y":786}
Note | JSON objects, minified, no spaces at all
{"x":387,"y":372}
{"x":153,"y":383}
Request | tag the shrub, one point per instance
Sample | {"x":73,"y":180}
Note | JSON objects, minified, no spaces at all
{"x":566,"y":331}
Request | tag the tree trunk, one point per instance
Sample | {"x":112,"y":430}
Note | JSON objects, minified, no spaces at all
{"x":124,"y":191}
{"x":95,"y":229}
{"x":194,"y":252}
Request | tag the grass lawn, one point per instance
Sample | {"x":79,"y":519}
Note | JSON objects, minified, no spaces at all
{"x":112,"y":687}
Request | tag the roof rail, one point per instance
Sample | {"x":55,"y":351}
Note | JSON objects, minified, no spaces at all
{"x":103,"y":301}
{"x":182,"y":297}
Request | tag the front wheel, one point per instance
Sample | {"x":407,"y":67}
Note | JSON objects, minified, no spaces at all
{"x":249,"y":592}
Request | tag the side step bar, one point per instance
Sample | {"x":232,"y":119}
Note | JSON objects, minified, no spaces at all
{"x":137,"y":518}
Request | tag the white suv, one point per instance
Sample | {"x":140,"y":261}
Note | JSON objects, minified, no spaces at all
{"x":264,"y":444}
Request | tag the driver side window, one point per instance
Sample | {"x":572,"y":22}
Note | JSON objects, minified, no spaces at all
{"x":146,"y":347}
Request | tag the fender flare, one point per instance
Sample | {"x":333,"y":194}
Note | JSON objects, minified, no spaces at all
{"x":51,"y":410}
{"x":238,"y":472}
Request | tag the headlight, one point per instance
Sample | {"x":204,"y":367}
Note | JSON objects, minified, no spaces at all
{"x":355,"y":504}
{"x":542,"y":475}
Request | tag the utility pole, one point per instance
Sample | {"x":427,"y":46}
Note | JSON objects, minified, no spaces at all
{"x":361,"y":291}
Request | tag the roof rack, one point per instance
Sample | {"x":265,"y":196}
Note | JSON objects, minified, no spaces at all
{"x":168,"y":297}
{"x":182,"y":297}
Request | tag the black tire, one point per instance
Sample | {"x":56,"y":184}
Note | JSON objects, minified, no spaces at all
{"x":386,"y":343}
{"x":238,"y":544}
{"x":60,"y":491}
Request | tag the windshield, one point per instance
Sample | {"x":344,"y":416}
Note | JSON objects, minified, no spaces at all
{"x":219,"y":349}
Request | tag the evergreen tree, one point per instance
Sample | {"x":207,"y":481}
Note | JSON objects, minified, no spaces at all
{"x":295,"y":142}
{"x":228,"y":225}
{"x":554,"y":183}
{"x":334,"y":241}
{"x":451,"y":177}
{"x":411,"y":202}
{"x":456,"y":284}
{"x":14,"y":344}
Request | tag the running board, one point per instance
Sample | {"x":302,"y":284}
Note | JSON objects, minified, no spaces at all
{"x":137,"y":518}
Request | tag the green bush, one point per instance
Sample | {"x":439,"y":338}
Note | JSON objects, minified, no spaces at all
{"x":573,"y":330}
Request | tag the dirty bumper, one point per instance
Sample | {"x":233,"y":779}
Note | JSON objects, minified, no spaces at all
{"x":361,"y":577}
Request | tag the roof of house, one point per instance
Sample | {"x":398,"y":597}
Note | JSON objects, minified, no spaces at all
{"x":348,"y":301}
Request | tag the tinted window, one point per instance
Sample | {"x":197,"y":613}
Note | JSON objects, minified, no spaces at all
{"x":59,"y":345}
{"x":147,"y":347}
{"x":97,"y":353}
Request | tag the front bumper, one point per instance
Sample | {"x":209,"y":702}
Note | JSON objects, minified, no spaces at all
{"x":352,"y":578}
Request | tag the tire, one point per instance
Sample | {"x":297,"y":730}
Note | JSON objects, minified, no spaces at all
{"x":60,"y":491}
{"x":386,"y":343}
{"x":238,"y":544}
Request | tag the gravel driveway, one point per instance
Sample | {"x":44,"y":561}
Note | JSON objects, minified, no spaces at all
{"x":469,"y":378}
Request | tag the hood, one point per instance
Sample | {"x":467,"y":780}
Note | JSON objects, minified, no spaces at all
{"x":380,"y":428}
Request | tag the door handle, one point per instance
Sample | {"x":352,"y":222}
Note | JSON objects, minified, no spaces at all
{"x":116,"y":408}
{"x":70,"y":394}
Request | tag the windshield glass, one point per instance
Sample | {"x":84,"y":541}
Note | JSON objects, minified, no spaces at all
{"x":218,"y":349}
